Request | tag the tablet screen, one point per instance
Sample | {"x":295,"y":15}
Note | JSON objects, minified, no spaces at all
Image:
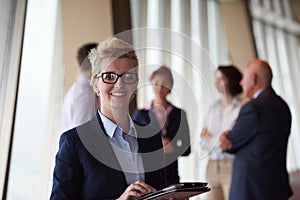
{"x":177,"y":191}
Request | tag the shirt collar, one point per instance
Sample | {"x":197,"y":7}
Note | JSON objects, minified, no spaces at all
{"x":235,"y":102}
{"x":111,"y":128}
{"x":169,"y":108}
{"x":258,"y":92}
{"x":132,"y":130}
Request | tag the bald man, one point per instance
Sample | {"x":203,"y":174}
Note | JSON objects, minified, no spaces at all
{"x":259,"y":139}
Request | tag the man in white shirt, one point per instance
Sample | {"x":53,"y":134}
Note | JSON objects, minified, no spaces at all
{"x":79,"y":103}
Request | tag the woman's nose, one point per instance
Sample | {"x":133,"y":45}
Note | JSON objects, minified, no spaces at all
{"x":119,"y":82}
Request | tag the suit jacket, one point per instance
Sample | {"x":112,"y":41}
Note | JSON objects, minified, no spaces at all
{"x":259,"y":139}
{"x":177,"y":131}
{"x":87,"y":168}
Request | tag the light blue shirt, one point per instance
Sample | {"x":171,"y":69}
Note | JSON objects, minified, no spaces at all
{"x":126,"y":149}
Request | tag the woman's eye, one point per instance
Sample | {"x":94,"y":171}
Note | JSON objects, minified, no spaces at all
{"x":109,"y":76}
{"x":129,"y":76}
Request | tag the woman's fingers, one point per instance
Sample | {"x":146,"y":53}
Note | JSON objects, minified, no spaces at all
{"x":136,"y":189}
{"x":142,"y":187}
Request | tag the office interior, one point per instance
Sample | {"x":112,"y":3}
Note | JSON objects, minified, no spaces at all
{"x":38,"y":44}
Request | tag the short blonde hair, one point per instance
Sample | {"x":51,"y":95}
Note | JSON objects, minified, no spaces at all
{"x":110,"y":48}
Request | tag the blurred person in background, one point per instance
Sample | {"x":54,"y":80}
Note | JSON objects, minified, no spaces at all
{"x":79,"y":104}
{"x":221,"y":117}
{"x":172,"y":121}
{"x":259,"y":139}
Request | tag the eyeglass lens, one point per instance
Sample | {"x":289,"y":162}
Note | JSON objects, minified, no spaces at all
{"x":111,"y":77}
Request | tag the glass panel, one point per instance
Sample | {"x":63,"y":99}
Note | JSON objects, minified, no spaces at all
{"x":35,"y":128}
{"x":11,"y":32}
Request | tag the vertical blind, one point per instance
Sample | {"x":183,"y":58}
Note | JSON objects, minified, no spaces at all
{"x":188,"y":37}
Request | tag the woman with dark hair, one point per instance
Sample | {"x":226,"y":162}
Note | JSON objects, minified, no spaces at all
{"x":221,"y":116}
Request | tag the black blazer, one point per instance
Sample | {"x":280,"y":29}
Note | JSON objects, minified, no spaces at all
{"x":259,"y":140}
{"x":87,"y":168}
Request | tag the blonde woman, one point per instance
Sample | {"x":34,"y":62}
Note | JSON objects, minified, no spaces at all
{"x":109,"y":157}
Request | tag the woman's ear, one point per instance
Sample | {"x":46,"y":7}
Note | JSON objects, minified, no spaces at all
{"x":95,"y":87}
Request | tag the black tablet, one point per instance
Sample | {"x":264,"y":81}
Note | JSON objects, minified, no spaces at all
{"x":178,"y":191}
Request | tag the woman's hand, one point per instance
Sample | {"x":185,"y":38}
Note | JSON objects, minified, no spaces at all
{"x":135,"y":190}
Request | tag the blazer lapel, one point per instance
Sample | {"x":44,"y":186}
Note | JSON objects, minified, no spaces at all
{"x":95,"y":141}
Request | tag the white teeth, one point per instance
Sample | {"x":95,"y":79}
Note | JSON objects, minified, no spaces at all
{"x":119,"y":94}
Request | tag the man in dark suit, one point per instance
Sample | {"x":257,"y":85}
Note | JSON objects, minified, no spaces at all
{"x":259,"y":139}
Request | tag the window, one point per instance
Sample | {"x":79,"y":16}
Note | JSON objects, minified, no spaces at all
{"x":12,"y":14}
{"x":277,"y":40}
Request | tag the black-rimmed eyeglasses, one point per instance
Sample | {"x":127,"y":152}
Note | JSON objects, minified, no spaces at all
{"x":112,"y":78}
